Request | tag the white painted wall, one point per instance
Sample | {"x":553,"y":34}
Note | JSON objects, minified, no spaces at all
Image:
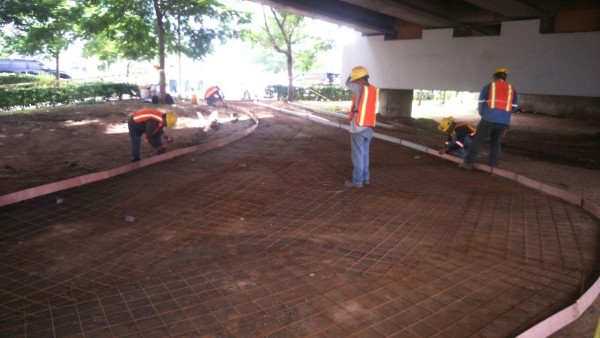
{"x":551,"y":64}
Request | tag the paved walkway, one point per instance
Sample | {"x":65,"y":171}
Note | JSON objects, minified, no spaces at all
{"x":261,"y":239}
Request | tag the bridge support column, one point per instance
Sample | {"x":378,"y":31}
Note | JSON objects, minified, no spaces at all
{"x":395,"y":102}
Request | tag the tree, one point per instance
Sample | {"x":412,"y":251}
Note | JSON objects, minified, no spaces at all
{"x":103,"y":48}
{"x":45,"y":27}
{"x":145,"y":29}
{"x":283,"y":32}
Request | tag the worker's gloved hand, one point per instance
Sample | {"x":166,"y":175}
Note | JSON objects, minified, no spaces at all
{"x":161,"y":151}
{"x":442,"y":150}
{"x":168,"y":139}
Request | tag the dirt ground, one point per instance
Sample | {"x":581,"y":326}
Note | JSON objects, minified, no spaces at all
{"x":49,"y":145}
{"x":53,"y":144}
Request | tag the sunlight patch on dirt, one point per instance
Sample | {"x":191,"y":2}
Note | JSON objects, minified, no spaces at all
{"x":120,"y":128}
{"x":71,"y":123}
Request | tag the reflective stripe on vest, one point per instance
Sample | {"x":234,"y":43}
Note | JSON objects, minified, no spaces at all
{"x":148,"y":114}
{"x":211,"y":91}
{"x":501,"y":96}
{"x":368,"y":106}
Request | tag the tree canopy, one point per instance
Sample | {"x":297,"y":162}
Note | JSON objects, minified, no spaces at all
{"x":284,"y":33}
{"x":146,"y":29}
{"x":41,"y":27}
{"x":133,"y":29}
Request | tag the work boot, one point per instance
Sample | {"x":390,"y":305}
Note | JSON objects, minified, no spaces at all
{"x":350,"y":184}
{"x":465,"y":166}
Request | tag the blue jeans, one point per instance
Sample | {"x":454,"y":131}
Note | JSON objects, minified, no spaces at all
{"x":485,"y":130}
{"x":361,"y":143}
{"x":462,"y":152}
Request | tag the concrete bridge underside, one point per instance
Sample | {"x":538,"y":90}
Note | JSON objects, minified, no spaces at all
{"x":549,"y":47}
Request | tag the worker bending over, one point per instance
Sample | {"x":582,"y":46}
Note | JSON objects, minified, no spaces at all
{"x":460,"y":136}
{"x":149,"y":123}
{"x":213,"y":95}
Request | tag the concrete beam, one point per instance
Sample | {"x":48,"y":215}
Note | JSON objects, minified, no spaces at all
{"x":362,"y":19}
{"x":508,"y":8}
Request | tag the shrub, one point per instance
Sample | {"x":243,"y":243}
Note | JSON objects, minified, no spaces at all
{"x":317,"y":93}
{"x":49,"y":95}
{"x":12,"y":78}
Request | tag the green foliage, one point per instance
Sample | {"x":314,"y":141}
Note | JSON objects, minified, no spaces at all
{"x":318,"y":93}
{"x":285,"y":34}
{"x":101,"y":47}
{"x":40,"y":27}
{"x":26,"y":97}
{"x":19,"y":12}
{"x":10,"y":78}
{"x":191,"y":26}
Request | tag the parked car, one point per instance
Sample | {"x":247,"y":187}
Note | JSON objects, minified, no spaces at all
{"x":27,"y":67}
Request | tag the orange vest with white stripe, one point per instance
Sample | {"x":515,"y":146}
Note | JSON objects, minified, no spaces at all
{"x":367,"y":107}
{"x":148,"y":114}
{"x":501,"y":96}
{"x":211,"y":91}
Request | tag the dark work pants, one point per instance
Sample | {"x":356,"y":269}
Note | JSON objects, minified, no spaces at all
{"x":136,"y":139}
{"x":493,"y":132}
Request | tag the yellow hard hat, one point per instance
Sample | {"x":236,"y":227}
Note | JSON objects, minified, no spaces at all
{"x":445,"y":123}
{"x":358,"y":72}
{"x":501,"y":70}
{"x":171,"y":118}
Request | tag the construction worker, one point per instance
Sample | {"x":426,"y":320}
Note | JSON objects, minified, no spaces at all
{"x":213,"y":95}
{"x":149,"y":123}
{"x":365,"y":102}
{"x":497,"y":102}
{"x":460,"y":136}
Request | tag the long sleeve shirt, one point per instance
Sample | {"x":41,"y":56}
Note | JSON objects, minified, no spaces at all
{"x":494,"y":115}
{"x":357,"y":90}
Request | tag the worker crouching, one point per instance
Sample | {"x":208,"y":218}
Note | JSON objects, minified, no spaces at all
{"x":460,"y":136}
{"x":149,"y":123}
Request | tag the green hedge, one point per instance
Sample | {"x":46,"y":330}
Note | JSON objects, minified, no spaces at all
{"x":318,"y":93}
{"x":10,"y":78}
{"x":39,"y":96}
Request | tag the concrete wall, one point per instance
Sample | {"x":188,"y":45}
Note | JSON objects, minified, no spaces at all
{"x":565,"y":64}
{"x":581,"y":108}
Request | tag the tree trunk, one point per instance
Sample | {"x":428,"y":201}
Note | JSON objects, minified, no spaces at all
{"x":179,"y":54}
{"x":290,"y":93}
{"x":57,"y":58}
{"x":160,"y":27}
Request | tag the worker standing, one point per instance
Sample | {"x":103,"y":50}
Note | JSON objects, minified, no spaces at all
{"x":497,"y":102}
{"x":365,"y":102}
{"x":460,"y":136}
{"x":149,"y":123}
{"x":213,"y":95}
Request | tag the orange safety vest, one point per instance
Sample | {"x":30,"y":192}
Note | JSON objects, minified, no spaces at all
{"x":501,"y":96}
{"x":211,"y":91}
{"x":367,"y":106}
{"x":148,"y":114}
